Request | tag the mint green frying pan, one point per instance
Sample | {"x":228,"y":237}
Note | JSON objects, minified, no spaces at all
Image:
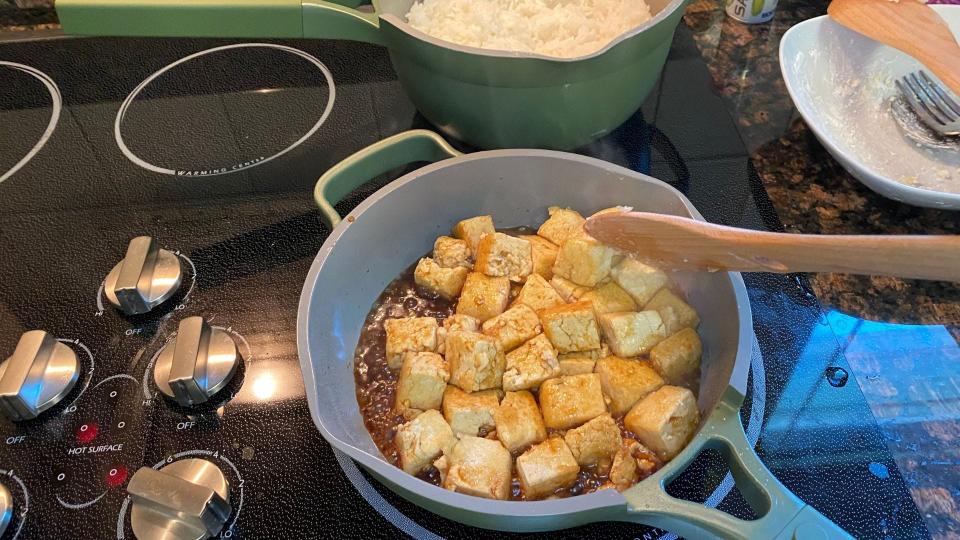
{"x":490,"y":99}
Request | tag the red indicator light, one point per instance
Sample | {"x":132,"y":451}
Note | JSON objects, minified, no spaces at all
{"x":117,"y":476}
{"x":87,"y":432}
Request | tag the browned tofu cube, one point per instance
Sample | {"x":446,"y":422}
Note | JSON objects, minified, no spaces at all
{"x":632,"y":333}
{"x":544,"y":255}
{"x":546,"y":468}
{"x":423,"y":378}
{"x":529,"y":365}
{"x":632,"y":463}
{"x":595,"y":442}
{"x":571,"y":327}
{"x":422,"y":440}
{"x":584,"y":261}
{"x":412,"y":334}
{"x":484,"y":297}
{"x":608,"y":298}
{"x":475,"y":361}
{"x":676,"y":313}
{"x":519,"y":423}
{"x":562,"y":225}
{"x":501,"y":255}
{"x":479,"y":467}
{"x":567,"y":402}
{"x":640,"y":280}
{"x":455,"y":323}
{"x":677,"y":358}
{"x":471,"y":230}
{"x":469,"y":413}
{"x":625,"y":381}
{"x":538,"y":294}
{"x":513,"y":327}
{"x":440,"y":281}
{"x":451,"y":252}
{"x":576,"y":365}
{"x":665,"y":420}
{"x":568,"y":290}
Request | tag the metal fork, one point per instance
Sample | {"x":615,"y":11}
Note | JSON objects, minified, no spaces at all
{"x":931,"y":103}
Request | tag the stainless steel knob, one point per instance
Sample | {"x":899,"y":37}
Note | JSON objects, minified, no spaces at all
{"x":6,"y":508}
{"x":197,"y":363}
{"x":186,"y":500}
{"x":145,"y":278}
{"x":38,"y":375}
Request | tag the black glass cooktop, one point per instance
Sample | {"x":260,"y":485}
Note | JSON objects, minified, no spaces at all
{"x":212,"y":148}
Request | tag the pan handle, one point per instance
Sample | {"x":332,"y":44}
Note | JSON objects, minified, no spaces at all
{"x":337,"y":19}
{"x":781,"y":515}
{"x":394,"y":151}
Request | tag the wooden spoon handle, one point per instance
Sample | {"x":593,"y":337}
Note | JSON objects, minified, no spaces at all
{"x":919,"y":257}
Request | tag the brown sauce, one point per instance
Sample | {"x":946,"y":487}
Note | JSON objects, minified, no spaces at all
{"x":376,"y":383}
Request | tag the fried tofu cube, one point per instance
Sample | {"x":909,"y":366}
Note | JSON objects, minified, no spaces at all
{"x":567,"y":402}
{"x":518,"y":419}
{"x":676,"y":313}
{"x":568,"y":290}
{"x":576,"y":365}
{"x":641,"y":281}
{"x":442,"y":464}
{"x":423,"y":378}
{"x":538,"y":294}
{"x":678,"y":356}
{"x":422,"y":440}
{"x":461,"y":323}
{"x":451,"y":252}
{"x":631,"y":333}
{"x":562,"y":225}
{"x":664,"y":420}
{"x":624,"y":471}
{"x":626,"y":381}
{"x":484,"y":297}
{"x":608,"y":298}
{"x":412,"y":334}
{"x":479,"y":467}
{"x":571,"y":327}
{"x":595,"y":442}
{"x":529,"y":365}
{"x":584,"y":261}
{"x":469,"y":413}
{"x":513,"y":327}
{"x":472,"y":230}
{"x":444,"y":282}
{"x":475,"y":361}
{"x":544,"y":254}
{"x":546,"y":468}
{"x":501,"y":255}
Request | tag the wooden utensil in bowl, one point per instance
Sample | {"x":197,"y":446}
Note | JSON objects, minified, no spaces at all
{"x":684,"y":243}
{"x":909,"y":26}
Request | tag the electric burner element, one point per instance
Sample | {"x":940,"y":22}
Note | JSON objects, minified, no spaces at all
{"x":214,"y":113}
{"x":56,"y":101}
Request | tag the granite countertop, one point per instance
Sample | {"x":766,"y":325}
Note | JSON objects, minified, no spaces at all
{"x":900,"y":337}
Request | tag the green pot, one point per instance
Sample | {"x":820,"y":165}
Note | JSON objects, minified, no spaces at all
{"x":489,"y":99}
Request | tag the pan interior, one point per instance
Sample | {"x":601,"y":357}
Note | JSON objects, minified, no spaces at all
{"x":398,"y":224}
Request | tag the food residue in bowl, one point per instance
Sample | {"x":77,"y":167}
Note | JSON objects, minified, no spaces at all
{"x":528,"y":364}
{"x":561,"y":28}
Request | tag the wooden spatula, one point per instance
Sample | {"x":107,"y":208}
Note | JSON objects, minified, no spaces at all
{"x":683,"y":243}
{"x":909,"y":26}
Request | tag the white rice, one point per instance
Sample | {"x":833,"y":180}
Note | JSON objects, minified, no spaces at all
{"x":561,"y":28}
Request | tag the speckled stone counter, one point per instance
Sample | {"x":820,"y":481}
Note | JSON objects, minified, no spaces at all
{"x":899,"y":336}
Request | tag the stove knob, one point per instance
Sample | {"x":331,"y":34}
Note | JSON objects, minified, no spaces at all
{"x":186,"y":500}
{"x":6,"y":508}
{"x":145,"y":278}
{"x":38,"y":375}
{"x":197,"y":363}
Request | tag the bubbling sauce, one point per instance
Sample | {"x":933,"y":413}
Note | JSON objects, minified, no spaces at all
{"x":377,"y":384}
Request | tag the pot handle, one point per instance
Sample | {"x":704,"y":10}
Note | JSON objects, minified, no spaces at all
{"x":394,"y":151}
{"x":781,"y":515}
{"x":334,"y":19}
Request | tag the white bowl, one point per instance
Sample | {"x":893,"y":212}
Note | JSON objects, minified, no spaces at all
{"x":843,"y":84}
